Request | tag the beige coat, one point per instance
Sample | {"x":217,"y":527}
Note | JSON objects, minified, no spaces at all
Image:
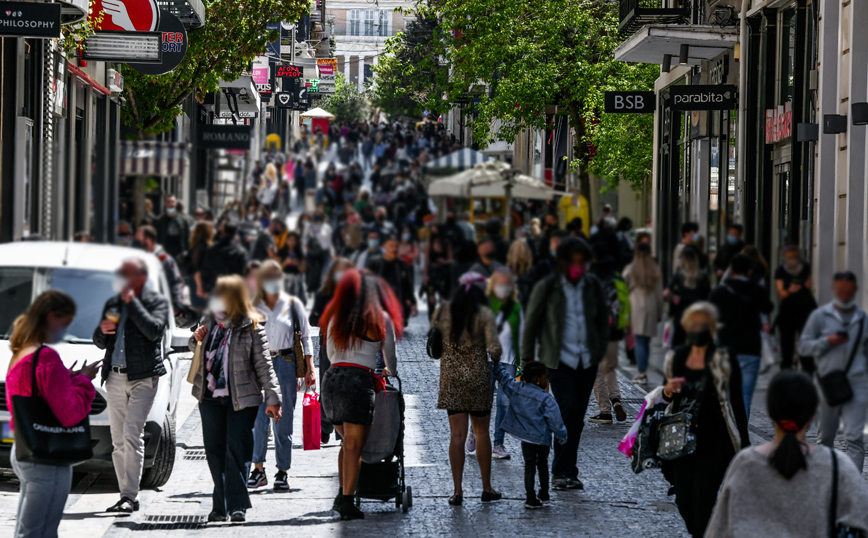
{"x":646,"y":307}
{"x":250,"y":368}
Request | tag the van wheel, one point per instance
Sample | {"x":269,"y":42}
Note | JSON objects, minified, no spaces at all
{"x":158,"y":474}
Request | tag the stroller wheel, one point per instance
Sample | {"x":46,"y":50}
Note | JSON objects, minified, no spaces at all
{"x":407,"y":500}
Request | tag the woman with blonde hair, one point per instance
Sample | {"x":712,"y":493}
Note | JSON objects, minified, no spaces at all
{"x":519,"y":260}
{"x":509,"y":318}
{"x":645,"y":282}
{"x":68,"y":393}
{"x":705,"y":380}
{"x":200,"y":240}
{"x":235,"y":369}
{"x":284,"y":315}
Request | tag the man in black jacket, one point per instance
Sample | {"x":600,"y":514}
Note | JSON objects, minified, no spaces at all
{"x":397,"y":273}
{"x":742,"y":306}
{"x":173,"y":228}
{"x":133,"y":325}
{"x":733,"y":245}
{"x":147,"y":238}
{"x":225,"y":257}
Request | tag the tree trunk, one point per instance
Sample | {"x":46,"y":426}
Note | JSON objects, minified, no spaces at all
{"x":581,"y":155}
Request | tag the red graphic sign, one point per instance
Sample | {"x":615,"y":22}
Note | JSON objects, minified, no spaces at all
{"x":779,"y":123}
{"x":126,"y":15}
{"x":288,"y":71}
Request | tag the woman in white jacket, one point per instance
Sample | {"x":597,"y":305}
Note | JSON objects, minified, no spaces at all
{"x":646,"y":304}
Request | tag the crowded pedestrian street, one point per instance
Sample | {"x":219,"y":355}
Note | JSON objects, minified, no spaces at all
{"x":590,"y":268}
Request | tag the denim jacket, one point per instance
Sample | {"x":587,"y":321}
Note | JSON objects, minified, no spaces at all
{"x":533,"y":414}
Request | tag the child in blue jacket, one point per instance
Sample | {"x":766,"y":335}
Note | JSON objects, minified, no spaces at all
{"x":533,"y":416}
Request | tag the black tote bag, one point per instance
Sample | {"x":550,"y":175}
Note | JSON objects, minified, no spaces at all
{"x":39,"y":436}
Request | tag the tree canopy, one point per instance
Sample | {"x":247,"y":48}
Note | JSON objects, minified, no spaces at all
{"x":521,"y":60}
{"x":234,"y":33}
{"x":348,"y":103}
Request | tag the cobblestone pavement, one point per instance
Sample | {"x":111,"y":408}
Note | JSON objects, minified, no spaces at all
{"x":615,"y":501}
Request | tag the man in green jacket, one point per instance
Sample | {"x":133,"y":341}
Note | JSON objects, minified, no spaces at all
{"x":568,"y":316}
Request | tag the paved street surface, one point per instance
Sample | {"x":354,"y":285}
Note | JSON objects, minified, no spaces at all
{"x":615,"y":501}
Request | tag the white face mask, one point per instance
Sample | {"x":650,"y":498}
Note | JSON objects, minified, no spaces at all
{"x":217,"y":307}
{"x":272,"y":287}
{"x":503,"y":291}
{"x":119,"y":283}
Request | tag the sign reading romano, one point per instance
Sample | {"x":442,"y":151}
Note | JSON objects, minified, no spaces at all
{"x":630,"y":102}
{"x":702,"y":97}
{"x":225,"y":136}
{"x":29,"y":19}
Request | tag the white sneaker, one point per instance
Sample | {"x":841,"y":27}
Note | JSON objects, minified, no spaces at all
{"x":500,"y":453}
{"x":640,"y":379}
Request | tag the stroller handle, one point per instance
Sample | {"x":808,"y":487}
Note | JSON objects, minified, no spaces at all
{"x":380,"y":372}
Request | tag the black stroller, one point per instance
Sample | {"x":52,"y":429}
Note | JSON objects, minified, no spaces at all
{"x":382,"y":474}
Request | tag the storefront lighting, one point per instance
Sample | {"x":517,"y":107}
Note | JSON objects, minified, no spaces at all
{"x":684,"y":54}
{"x":666,"y":66}
{"x":807,"y":132}
{"x":834,"y":124}
{"x":138,"y":47}
{"x":859,"y":112}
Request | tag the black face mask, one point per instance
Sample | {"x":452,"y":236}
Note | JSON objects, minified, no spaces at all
{"x":450,"y":221}
{"x":699,"y":338}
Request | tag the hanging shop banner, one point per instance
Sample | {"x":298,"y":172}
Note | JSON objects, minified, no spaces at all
{"x":284,"y":100}
{"x":630,"y":102}
{"x":262,"y":76}
{"x":285,"y":43}
{"x":702,"y":97}
{"x":326,"y":68}
{"x":174,"y":45}
{"x":126,"y":15}
{"x":224,"y":136}
{"x":29,"y":19}
{"x":137,"y":47}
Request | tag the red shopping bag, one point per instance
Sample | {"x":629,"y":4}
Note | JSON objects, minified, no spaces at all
{"x":311,"y":425}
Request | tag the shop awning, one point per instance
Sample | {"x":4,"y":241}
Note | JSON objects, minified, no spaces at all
{"x":490,"y":180}
{"x":150,"y":158}
{"x":457,"y":160}
{"x":653,"y":41}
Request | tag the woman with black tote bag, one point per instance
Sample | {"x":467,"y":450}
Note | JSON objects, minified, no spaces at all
{"x":39,"y":456}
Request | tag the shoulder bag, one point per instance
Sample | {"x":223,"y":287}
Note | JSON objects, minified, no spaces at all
{"x":39,"y":436}
{"x":677,"y":431}
{"x":835,"y":530}
{"x":435,"y":338}
{"x":835,"y":385}
{"x":297,"y":346}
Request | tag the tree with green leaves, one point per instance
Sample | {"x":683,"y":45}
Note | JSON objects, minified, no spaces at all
{"x":234,"y":33}
{"x":348,"y":103}
{"x":523,"y":60}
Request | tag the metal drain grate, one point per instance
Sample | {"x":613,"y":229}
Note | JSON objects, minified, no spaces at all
{"x":157,"y":523}
{"x":196,"y":455}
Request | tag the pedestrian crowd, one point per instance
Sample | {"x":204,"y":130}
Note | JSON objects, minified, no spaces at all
{"x":530,"y":329}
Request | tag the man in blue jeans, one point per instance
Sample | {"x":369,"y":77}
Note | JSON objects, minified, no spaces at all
{"x":741,"y":303}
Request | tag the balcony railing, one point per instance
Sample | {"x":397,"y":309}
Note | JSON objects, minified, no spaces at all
{"x":634,"y":14}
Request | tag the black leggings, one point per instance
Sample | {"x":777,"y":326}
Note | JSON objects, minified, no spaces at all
{"x":536,"y":458}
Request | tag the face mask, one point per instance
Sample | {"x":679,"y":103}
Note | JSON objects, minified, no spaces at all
{"x":259,"y":214}
{"x":217,"y":307}
{"x":576,"y":271}
{"x":841,"y":305}
{"x":731,"y":239}
{"x":170,"y":210}
{"x":374,"y":243}
{"x":57,"y":336}
{"x":450,"y":221}
{"x":699,"y":338}
{"x":250,"y":217}
{"x":696,"y":237}
{"x":118,"y":283}
{"x":405,"y":236}
{"x":502,"y":291}
{"x":338,"y":276}
{"x":271,"y":287}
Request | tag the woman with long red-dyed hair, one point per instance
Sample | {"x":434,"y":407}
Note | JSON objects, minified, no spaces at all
{"x":364,"y":318}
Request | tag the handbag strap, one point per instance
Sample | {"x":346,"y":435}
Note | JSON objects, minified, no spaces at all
{"x":855,"y":345}
{"x":34,"y":387}
{"x":833,"y":507}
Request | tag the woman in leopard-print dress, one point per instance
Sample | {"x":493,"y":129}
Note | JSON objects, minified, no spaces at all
{"x":469,"y":337}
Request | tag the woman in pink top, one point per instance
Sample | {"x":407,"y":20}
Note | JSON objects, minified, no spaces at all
{"x":69,"y":393}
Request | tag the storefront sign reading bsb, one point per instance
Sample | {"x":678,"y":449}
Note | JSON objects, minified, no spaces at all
{"x":779,"y":123}
{"x":29,"y":19}
{"x":630,"y":102}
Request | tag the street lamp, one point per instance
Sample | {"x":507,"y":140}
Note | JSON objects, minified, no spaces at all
{"x":683,"y":55}
{"x":667,"y":63}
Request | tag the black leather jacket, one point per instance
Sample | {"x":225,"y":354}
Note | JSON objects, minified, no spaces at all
{"x":147,"y":317}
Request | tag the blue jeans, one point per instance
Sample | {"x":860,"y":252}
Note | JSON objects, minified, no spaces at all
{"x":44,"y":489}
{"x":643,"y":352}
{"x":750,"y":367}
{"x":285,"y":371}
{"x":501,"y":404}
